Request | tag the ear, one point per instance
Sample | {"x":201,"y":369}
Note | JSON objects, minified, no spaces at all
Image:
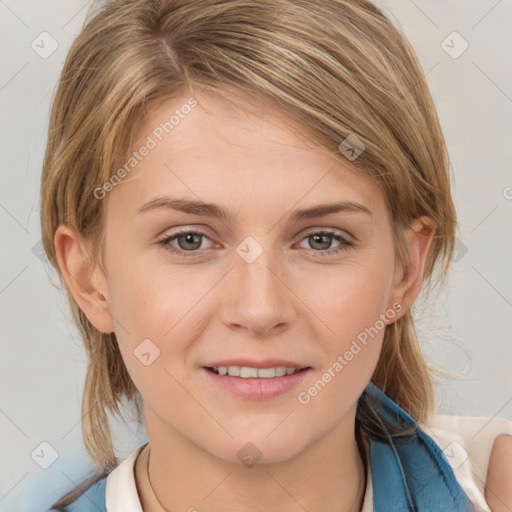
{"x":408,"y":279}
{"x":88,"y":289}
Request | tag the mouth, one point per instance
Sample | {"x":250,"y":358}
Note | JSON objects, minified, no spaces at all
{"x":248,"y":372}
{"x":250,"y":383}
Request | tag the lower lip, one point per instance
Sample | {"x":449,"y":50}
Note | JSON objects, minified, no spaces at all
{"x":257,"y":389}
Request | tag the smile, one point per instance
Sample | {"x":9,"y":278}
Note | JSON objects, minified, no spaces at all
{"x":246,"y":372}
{"x":252,"y":383}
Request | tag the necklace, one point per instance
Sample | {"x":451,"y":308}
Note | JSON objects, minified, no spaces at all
{"x":149,"y":480}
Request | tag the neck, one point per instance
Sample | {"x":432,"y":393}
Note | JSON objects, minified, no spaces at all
{"x":329,"y":475}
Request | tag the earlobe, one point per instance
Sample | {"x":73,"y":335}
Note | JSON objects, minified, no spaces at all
{"x":418,"y":237}
{"x":78,"y":271}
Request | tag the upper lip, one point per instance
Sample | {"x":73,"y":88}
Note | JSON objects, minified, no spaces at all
{"x":266,"y":363}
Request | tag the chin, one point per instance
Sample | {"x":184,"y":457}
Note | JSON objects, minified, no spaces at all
{"x":249,"y":450}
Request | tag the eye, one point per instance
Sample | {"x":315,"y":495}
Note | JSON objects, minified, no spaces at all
{"x":188,"y":242}
{"x":323,"y":239}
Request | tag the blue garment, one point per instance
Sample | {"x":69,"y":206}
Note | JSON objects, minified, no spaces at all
{"x":409,"y":474}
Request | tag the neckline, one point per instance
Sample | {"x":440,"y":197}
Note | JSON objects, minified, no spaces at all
{"x":367,"y":498}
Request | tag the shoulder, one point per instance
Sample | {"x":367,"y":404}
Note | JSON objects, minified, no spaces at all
{"x":115,"y":489}
{"x":498,"y":490}
{"x":479,"y":450}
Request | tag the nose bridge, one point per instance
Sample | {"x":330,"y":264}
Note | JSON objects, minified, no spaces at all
{"x":256,"y":269}
{"x":262,"y":300}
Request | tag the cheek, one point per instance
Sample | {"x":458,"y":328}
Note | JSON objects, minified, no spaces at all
{"x":156,"y":312}
{"x":357,"y":321}
{"x":353,"y":306}
{"x":352,"y":298}
{"x":149,"y":297}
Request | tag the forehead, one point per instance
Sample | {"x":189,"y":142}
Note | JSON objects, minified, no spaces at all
{"x":253,"y":156}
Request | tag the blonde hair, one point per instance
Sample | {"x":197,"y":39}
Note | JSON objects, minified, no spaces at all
{"x":335,"y":67}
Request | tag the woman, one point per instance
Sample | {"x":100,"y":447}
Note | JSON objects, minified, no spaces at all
{"x":295,"y":145}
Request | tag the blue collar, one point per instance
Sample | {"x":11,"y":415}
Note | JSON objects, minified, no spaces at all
{"x":409,"y":474}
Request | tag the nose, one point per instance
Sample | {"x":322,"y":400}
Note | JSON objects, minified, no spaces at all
{"x":259,"y":298}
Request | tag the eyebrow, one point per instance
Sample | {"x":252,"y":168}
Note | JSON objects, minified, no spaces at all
{"x":213,"y":210}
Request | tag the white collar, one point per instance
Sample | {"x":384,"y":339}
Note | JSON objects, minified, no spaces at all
{"x":368,"y":494}
{"x":121,"y":492}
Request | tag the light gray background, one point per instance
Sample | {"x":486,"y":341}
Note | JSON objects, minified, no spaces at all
{"x":467,"y":327}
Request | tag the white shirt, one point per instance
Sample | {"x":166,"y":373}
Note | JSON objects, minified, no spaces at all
{"x":466,"y":441}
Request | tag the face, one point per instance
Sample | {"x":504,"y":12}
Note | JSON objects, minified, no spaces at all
{"x":269,"y":283}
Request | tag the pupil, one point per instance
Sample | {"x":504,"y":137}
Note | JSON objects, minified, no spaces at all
{"x":317,"y":237}
{"x":189,"y":238}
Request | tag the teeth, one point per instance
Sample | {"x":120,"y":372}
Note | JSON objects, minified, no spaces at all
{"x":247,"y":372}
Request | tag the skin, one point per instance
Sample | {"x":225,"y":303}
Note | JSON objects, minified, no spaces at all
{"x":498,"y":489}
{"x":291,"y":302}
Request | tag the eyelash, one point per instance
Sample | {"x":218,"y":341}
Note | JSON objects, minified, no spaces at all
{"x":345,"y":246}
